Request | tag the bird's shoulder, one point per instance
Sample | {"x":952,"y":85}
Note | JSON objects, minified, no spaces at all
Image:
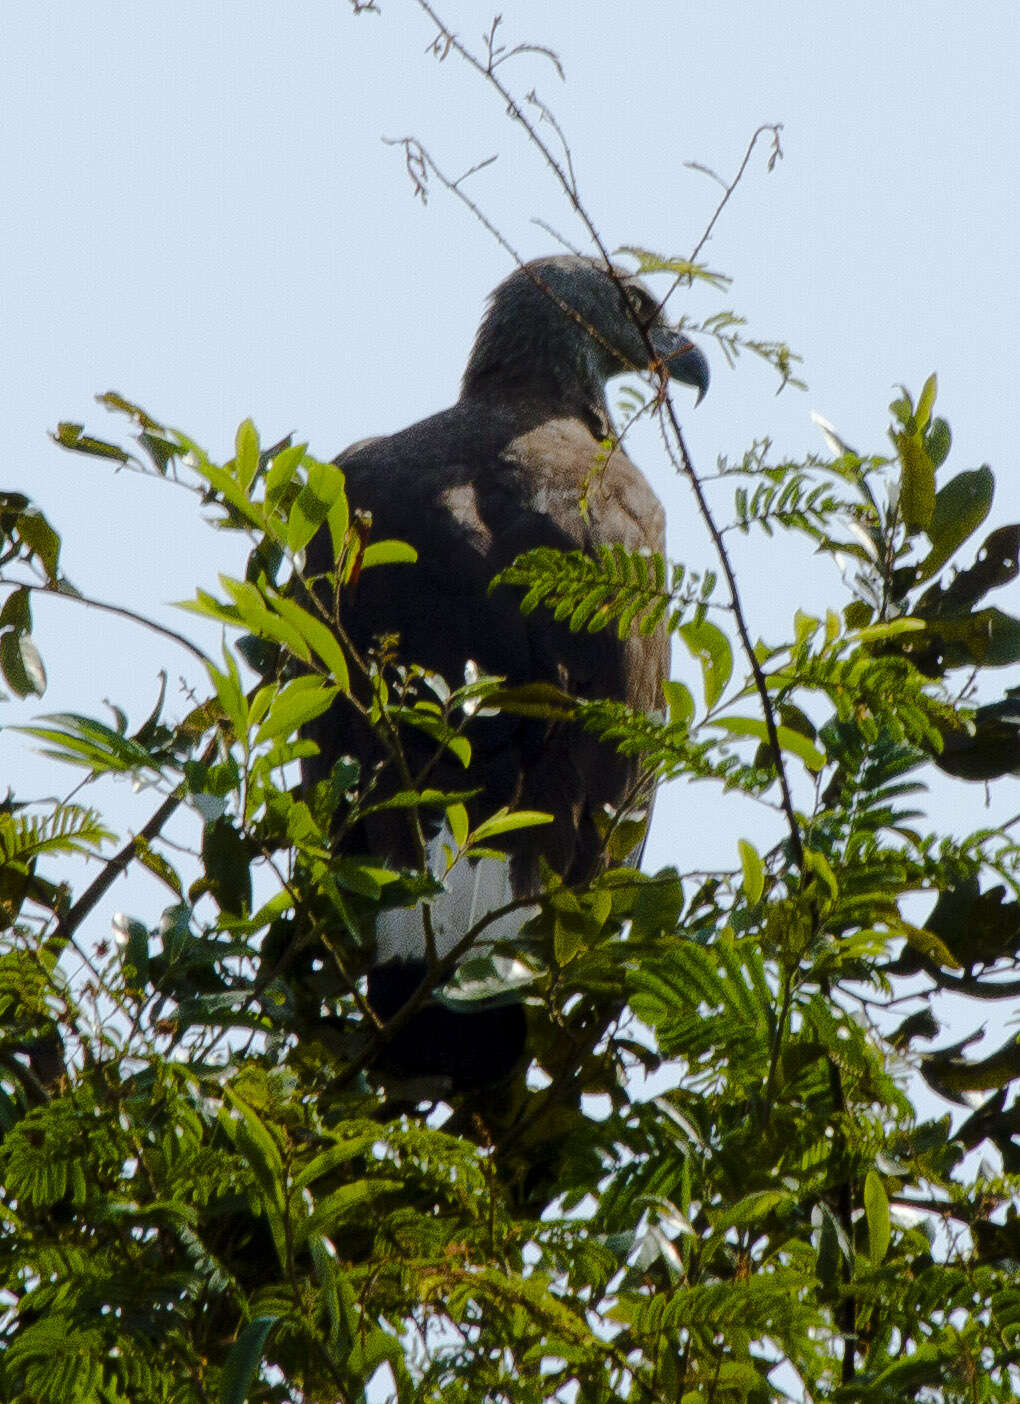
{"x":583,"y":481}
{"x":490,"y":475}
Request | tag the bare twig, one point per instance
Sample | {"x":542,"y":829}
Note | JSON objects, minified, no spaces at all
{"x":499,"y":53}
{"x":121,"y":611}
{"x":478,"y":166}
{"x":560,"y":238}
{"x":68,"y":924}
{"x":547,"y":115}
{"x":448,"y":42}
{"x":777,"y":151}
{"x":736,"y":604}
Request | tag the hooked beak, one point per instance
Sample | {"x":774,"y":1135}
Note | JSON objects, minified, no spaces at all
{"x":681,"y":358}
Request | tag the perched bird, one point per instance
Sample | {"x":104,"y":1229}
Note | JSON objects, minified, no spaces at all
{"x":520,"y":461}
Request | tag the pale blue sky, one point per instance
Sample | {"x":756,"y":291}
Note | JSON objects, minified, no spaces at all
{"x":199,"y":212}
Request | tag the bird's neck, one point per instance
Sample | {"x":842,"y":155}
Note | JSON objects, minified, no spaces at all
{"x":539,"y":358}
{"x":537,"y":399}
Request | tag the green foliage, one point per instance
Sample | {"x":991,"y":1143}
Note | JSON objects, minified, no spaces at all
{"x":725,"y":328}
{"x":632,"y":589}
{"x":209,"y":1194}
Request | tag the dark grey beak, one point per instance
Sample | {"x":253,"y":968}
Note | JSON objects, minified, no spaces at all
{"x":681,"y":358}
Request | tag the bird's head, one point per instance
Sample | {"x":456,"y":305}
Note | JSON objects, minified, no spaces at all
{"x":569,"y":323}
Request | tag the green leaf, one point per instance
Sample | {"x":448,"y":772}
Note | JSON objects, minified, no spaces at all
{"x":989,"y":637}
{"x":927,"y":943}
{"x":679,"y":701}
{"x":254,"y":612}
{"x":68,"y":828}
{"x":242,"y":1364}
{"x":315,"y":501}
{"x":649,"y":262}
{"x":339,"y":516}
{"x":503,"y":822}
{"x":158,"y":866}
{"x":226,"y":858}
{"x":427,"y":720}
{"x":297,"y":702}
{"x":710,"y":646}
{"x":938,"y":441}
{"x":538,"y":699}
{"x":374,"y":1348}
{"x":17,"y":611}
{"x":133,"y":938}
{"x":44,"y":543}
{"x":568,"y":939}
{"x":231,"y":694}
{"x":230,"y":490}
{"x":349,"y":1201}
{"x":792,"y":741}
{"x":280,"y":473}
{"x":72,"y":436}
{"x":246,"y":454}
{"x":411,"y":799}
{"x":317,"y":634}
{"x":211,"y":608}
{"x":85,"y":741}
{"x":875,"y":633}
{"x":876,"y":1210}
{"x":827,"y":1263}
{"x":858,"y":614}
{"x":457,"y":818}
{"x":388,"y":553}
{"x":960,"y":508}
{"x":22,"y":664}
{"x":754,"y":871}
{"x":256,"y":1143}
{"x":751,"y":1209}
{"x":333,"y":1157}
{"x":927,"y":398}
{"x":917,"y":482}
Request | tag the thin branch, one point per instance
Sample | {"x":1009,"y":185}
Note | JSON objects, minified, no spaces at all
{"x":120,"y":862}
{"x":121,"y":611}
{"x":420,"y":163}
{"x":547,"y":115}
{"x":560,"y":238}
{"x":478,"y":166}
{"x":448,"y":42}
{"x":777,"y":151}
{"x":499,"y":53}
{"x":761,"y":686}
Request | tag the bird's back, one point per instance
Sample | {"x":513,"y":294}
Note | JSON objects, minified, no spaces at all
{"x":471,"y":489}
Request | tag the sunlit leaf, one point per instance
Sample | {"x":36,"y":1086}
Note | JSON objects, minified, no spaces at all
{"x":754,"y":871}
{"x":960,"y":508}
{"x":789,"y":740}
{"x":710,"y":646}
{"x":246,"y":454}
{"x":504,"y":823}
{"x":876,"y":1210}
{"x":917,"y":482}
{"x":323,"y":488}
{"x":379,"y":553}
{"x":298,"y":702}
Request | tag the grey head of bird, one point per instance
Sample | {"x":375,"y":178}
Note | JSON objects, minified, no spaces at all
{"x":560,"y":327}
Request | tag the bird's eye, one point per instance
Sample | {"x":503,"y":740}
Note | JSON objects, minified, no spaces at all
{"x":640,"y":304}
